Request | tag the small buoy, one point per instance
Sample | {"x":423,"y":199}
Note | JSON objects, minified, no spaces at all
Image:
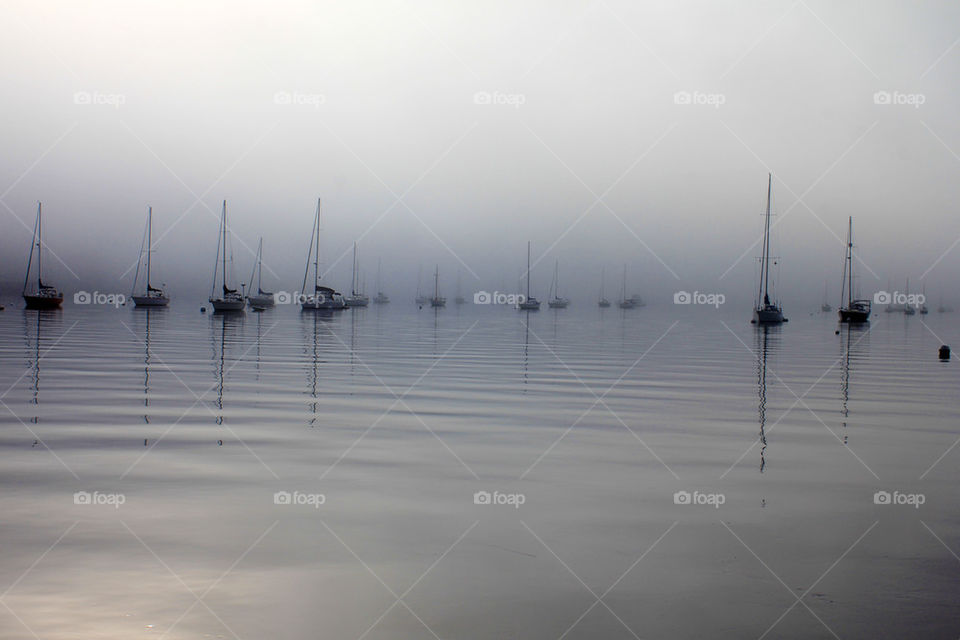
{"x":837,"y":332}
{"x":220,"y":442}
{"x":203,"y":309}
{"x":144,"y":442}
{"x":944,"y":352}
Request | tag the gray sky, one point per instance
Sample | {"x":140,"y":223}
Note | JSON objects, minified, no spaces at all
{"x":452,"y":133}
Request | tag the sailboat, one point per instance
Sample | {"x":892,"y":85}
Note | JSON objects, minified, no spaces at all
{"x":321,"y":298}
{"x":602,"y":301}
{"x":263,"y":299}
{"x":229,"y":299}
{"x":381,"y":297}
{"x":908,"y":309}
{"x":356,"y":298}
{"x":625,"y":302}
{"x":923,"y":305}
{"x":459,"y":299}
{"x":825,"y":306}
{"x":556,"y":301}
{"x":420,"y":299}
{"x":766,"y":311}
{"x":529,"y":302}
{"x":856,"y":311}
{"x":437,"y":300}
{"x":44,"y":296}
{"x":152,"y":296}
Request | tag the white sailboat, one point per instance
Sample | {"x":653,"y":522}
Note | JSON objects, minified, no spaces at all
{"x":152,"y":296}
{"x":766,"y":311}
{"x":262,"y":299}
{"x":321,"y":297}
{"x":229,"y":299}
{"x":529,"y":303}
{"x":555,"y":300}
{"x":437,"y":300}
{"x":356,"y":298}
{"x":44,"y":296}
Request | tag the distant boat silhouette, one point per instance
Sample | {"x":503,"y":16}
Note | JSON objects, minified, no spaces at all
{"x":321,"y":297}
{"x":529,"y":303}
{"x":855,"y":311}
{"x":152,"y":297}
{"x":766,"y":311}
{"x":44,"y":296}
{"x":262,"y":299}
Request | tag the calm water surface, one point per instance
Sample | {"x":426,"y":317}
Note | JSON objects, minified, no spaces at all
{"x":290,"y":475}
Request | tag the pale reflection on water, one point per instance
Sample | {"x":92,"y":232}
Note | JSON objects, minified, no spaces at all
{"x":294,"y":475}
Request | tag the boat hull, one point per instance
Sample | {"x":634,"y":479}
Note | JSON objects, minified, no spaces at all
{"x":558,"y":304}
{"x":436,"y":303}
{"x":261,"y":302}
{"x":356,"y":301}
{"x":325,"y":304}
{"x":151,"y":301}
{"x":767,"y":315}
{"x":227,"y":305}
{"x":43,"y":302}
{"x":854,"y":316}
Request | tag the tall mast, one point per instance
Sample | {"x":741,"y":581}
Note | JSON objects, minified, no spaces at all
{"x":850,"y":261}
{"x":379,"y":285}
{"x":36,"y":226}
{"x":224,"y":247}
{"x":259,"y":265}
{"x":316,"y":256}
{"x":353,"y":280}
{"x":528,"y":269}
{"x":149,"y":243}
{"x":765,"y":260}
{"x":602,"y":274}
{"x":39,"y":247}
{"x":436,"y":282}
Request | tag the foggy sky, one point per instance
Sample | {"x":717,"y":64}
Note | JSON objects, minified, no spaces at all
{"x":373,"y":107}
